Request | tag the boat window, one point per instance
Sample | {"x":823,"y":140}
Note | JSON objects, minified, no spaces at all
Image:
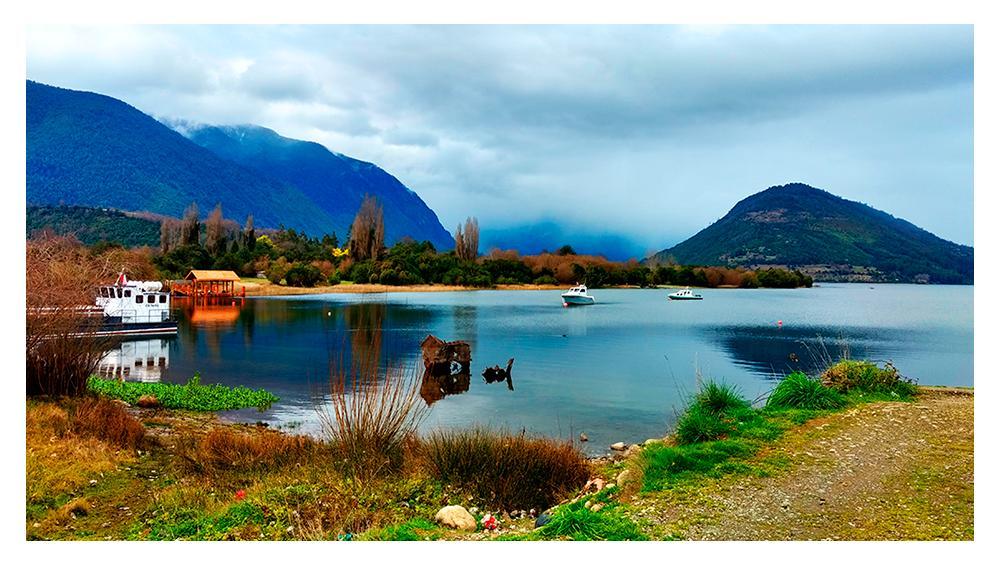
{"x":138,"y":299}
{"x":104,"y":292}
{"x":163,"y":298}
{"x":119,"y":293}
{"x":128,"y":293}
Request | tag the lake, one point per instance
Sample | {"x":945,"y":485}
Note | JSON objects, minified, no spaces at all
{"x":619,"y":370}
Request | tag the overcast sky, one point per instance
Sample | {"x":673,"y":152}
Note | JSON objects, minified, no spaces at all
{"x":647,"y":132}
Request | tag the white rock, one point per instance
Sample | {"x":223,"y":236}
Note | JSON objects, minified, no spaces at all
{"x":455,"y":516}
{"x":618,"y":446}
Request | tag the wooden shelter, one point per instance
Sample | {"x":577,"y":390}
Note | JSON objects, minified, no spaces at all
{"x":206,"y":283}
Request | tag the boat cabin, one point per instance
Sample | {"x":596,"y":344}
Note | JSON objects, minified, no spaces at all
{"x":134,"y":302}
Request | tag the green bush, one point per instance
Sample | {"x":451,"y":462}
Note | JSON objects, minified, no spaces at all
{"x":303,"y":275}
{"x":857,"y":375}
{"x":800,"y":391}
{"x":546,"y":280}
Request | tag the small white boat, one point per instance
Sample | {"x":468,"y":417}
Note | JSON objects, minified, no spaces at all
{"x":577,"y":296}
{"x":684,"y":295}
{"x":134,"y":308}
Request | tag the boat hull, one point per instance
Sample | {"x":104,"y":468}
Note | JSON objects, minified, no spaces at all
{"x":112,"y":328}
{"x":684,"y":298}
{"x":578,"y":300}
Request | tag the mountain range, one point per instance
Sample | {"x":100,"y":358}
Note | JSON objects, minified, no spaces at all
{"x":832,"y":238}
{"x":92,"y":150}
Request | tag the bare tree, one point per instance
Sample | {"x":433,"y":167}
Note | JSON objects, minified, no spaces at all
{"x":368,"y":231}
{"x":61,"y":350}
{"x":190,"y":229}
{"x":467,"y":239}
{"x":249,"y":234}
{"x":215,"y":232}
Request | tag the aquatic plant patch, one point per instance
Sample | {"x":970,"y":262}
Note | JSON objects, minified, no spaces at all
{"x":189,"y":396}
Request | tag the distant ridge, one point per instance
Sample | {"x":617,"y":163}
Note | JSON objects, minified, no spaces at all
{"x":827,"y":236}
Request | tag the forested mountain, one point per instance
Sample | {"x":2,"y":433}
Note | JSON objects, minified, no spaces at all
{"x":335,"y":182}
{"x":830,"y":237}
{"x":92,"y":150}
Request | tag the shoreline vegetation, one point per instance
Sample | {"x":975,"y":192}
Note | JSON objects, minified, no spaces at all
{"x":857,"y":437}
{"x":292,"y":259}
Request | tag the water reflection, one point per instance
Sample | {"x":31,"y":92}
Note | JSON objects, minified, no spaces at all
{"x":435,"y":387}
{"x":136,"y":360}
{"x":772,"y":352}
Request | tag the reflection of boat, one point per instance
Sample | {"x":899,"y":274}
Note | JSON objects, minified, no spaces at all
{"x":577,"y":296}
{"x":684,"y":295}
{"x":134,"y":308}
{"x":136,"y":360}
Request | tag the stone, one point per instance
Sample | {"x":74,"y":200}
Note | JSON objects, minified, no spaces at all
{"x":633,"y":449}
{"x":583,"y":437}
{"x":542,"y":520}
{"x":455,"y":516}
{"x":618,"y":446}
{"x":622,"y":478}
{"x":652,"y":441}
{"x":596,"y":506}
{"x":148,"y":402}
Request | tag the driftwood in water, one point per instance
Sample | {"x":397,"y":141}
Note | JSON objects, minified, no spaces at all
{"x":445,"y":358}
{"x":497,"y":373}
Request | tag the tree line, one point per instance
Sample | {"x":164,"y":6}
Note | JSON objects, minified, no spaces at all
{"x":286,"y":256}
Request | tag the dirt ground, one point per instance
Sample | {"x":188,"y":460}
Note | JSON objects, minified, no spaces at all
{"x":881,"y":471}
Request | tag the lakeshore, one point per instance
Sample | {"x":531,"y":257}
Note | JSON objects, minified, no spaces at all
{"x":880,"y":470}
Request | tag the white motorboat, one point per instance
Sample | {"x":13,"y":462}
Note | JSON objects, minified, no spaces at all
{"x":577,"y":296}
{"x":685,"y":295}
{"x":134,"y":308}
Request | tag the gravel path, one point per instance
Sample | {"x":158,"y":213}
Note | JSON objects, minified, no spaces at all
{"x":878,"y":472}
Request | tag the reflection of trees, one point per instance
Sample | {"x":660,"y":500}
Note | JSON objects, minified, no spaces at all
{"x":465,"y":321}
{"x":364,"y":322}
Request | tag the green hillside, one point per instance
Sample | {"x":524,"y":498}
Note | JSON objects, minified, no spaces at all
{"x":91,"y":225}
{"x":803,"y":227}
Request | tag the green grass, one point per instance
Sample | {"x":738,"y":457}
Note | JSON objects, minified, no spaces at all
{"x":719,"y":431}
{"x":415,"y":529}
{"x":189,"y":396}
{"x":800,"y":391}
{"x":577,"y":522}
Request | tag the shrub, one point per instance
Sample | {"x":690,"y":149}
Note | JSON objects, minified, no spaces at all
{"x":506,"y":471}
{"x":546,"y":280}
{"x":577,"y":522}
{"x":800,"y":391}
{"x":228,"y":449}
{"x":716,"y":398}
{"x":303,"y":275}
{"x":373,"y":413}
{"x":856,"y":375}
{"x":60,"y":277}
{"x":107,"y":421}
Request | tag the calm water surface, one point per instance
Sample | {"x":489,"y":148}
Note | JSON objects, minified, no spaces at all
{"x":618,"y":370}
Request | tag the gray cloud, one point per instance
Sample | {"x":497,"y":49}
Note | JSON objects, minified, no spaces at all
{"x":650,"y":132}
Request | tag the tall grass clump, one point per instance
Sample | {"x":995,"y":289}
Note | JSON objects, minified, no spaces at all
{"x":224,"y":449}
{"x":107,"y":421}
{"x":799,"y":391}
{"x":577,"y":522}
{"x":710,"y":414}
{"x":716,"y":398}
{"x":849,"y":376}
{"x":506,"y":471}
{"x":372,"y":414}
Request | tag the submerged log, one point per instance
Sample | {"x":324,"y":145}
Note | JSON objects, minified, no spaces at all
{"x":497,"y":373}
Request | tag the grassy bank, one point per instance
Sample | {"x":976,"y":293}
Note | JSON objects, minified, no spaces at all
{"x":178,"y":478}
